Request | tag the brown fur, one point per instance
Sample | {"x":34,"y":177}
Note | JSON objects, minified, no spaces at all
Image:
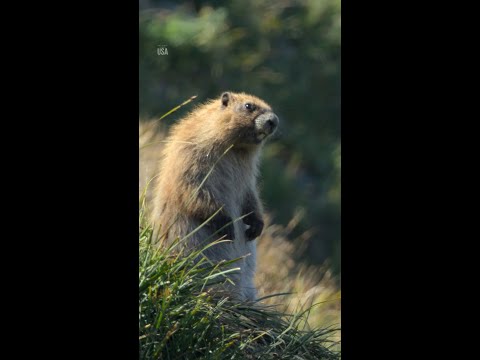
{"x":197,"y":144}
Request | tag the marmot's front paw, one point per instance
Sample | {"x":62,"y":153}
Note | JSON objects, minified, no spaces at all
{"x":256,"y":227}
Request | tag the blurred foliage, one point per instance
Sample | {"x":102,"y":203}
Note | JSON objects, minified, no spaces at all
{"x":286,"y":52}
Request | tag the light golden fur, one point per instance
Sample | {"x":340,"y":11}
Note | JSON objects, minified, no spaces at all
{"x":193,"y":148}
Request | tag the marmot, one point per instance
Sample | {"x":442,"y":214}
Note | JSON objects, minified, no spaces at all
{"x":183,"y":199}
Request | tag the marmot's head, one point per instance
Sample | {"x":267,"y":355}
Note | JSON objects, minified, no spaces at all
{"x":248,"y":119}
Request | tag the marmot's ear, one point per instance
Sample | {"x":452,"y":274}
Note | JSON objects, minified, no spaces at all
{"x":225,"y":98}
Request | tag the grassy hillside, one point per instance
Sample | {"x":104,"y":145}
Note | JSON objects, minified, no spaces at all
{"x":180,"y":319}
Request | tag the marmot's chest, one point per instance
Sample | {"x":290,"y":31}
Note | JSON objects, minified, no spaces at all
{"x":232,"y":187}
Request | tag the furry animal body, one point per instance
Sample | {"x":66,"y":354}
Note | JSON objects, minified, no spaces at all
{"x":210,"y":163}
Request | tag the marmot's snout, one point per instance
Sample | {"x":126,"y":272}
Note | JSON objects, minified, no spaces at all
{"x":266,"y":124}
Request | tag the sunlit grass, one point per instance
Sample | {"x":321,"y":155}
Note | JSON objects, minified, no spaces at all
{"x":184,"y":314}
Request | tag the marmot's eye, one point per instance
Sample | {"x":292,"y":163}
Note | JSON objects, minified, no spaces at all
{"x":250,"y":107}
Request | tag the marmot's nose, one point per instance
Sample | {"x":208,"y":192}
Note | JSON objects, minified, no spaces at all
{"x":270,"y":123}
{"x":273,"y":122}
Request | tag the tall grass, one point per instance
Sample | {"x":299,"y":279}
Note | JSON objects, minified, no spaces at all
{"x":183,"y":313}
{"x":281,"y":269}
